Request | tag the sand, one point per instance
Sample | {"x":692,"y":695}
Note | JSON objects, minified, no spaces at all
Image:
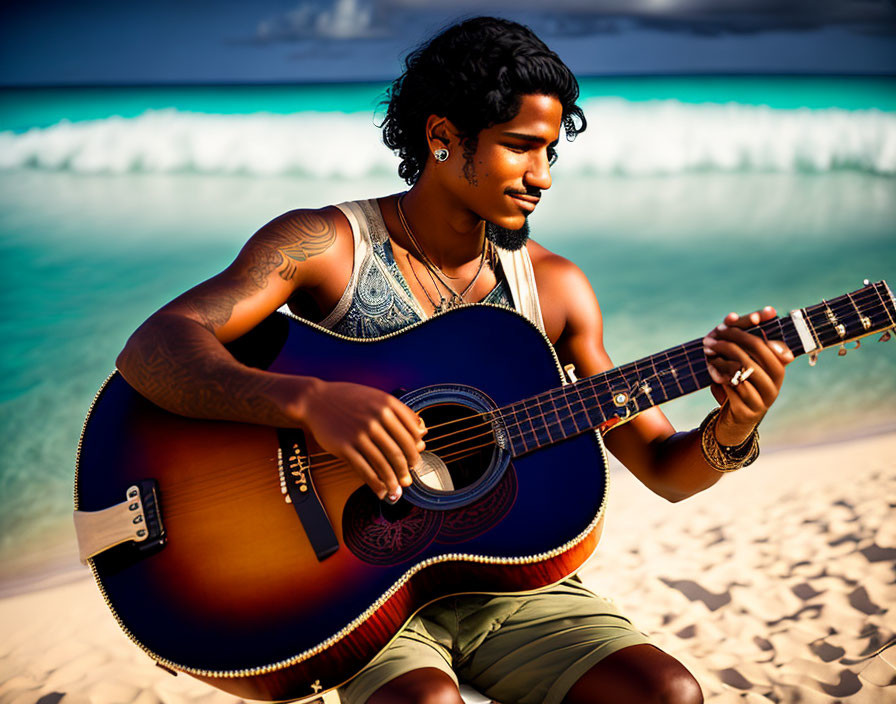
{"x":776,"y":585}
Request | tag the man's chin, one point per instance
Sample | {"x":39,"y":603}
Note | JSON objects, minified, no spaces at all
{"x":506,"y":238}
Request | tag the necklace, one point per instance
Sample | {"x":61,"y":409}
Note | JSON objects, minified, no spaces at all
{"x":435,"y":273}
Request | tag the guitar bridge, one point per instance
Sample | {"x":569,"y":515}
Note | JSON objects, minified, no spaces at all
{"x":298,"y":489}
{"x":137,"y":519}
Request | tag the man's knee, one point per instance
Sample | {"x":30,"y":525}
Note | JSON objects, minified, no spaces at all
{"x":677,"y":686}
{"x":424,"y":686}
{"x":640,"y":674}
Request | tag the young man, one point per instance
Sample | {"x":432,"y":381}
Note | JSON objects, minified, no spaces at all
{"x":475,"y":118}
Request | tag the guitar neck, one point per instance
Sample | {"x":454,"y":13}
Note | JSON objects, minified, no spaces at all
{"x":621,"y":393}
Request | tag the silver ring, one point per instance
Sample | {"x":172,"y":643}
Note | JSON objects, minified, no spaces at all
{"x":741,"y":375}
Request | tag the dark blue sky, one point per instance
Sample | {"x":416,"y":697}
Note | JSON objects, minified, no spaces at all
{"x":110,"y":41}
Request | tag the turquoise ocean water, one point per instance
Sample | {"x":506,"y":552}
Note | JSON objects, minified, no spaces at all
{"x":687,"y":198}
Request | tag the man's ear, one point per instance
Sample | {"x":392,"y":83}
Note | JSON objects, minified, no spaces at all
{"x":441,"y":133}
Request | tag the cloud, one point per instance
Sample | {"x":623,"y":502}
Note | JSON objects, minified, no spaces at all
{"x":312,"y":19}
{"x":571,"y":17}
{"x":339,"y":20}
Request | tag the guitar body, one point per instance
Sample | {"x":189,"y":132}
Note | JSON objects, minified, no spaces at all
{"x":239,"y":596}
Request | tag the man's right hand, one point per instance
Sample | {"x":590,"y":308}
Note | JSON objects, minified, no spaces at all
{"x":373,"y":432}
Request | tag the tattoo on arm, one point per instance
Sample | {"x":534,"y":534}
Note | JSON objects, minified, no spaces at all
{"x":293,"y":238}
{"x":179,"y":370}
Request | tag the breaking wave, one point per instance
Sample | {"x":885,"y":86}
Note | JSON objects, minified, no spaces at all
{"x":625,"y":138}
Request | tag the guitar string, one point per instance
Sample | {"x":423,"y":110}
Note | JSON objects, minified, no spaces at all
{"x":682,"y":351}
{"x":559,"y":419}
{"x":639,"y":367}
{"x":438,"y":450}
{"x":323,"y":466}
{"x":258,"y":484}
{"x":678,"y":356}
{"x":321,"y":469}
{"x":260,"y":480}
{"x":265,"y":485}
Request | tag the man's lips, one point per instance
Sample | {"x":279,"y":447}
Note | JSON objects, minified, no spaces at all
{"x":524,"y":199}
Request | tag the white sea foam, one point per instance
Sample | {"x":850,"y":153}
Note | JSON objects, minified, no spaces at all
{"x":626,"y":138}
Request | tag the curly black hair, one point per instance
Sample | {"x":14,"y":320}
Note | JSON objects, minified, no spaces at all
{"x":475,"y":74}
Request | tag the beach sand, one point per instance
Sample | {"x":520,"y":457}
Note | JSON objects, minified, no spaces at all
{"x":776,"y":585}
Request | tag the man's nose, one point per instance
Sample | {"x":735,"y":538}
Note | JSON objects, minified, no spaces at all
{"x":539,"y":173}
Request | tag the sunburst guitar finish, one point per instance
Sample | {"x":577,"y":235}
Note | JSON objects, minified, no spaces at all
{"x":267,"y":568}
{"x":237,"y":595}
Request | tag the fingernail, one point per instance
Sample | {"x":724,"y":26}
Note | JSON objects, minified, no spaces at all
{"x":768,"y":309}
{"x":421,"y":446}
{"x":722,"y":327}
{"x":716,"y":377}
{"x":395,"y":496}
{"x":709,"y":341}
{"x":776,"y":346}
{"x":754,"y":317}
{"x":734,"y":315}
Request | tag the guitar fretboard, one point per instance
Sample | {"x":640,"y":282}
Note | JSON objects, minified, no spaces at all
{"x":625,"y":391}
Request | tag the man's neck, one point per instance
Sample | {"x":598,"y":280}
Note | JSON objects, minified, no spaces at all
{"x":449,"y":234}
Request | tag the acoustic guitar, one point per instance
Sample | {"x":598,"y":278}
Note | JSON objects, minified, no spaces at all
{"x":248,"y":557}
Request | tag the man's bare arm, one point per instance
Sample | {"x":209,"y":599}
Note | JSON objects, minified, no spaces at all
{"x":669,"y":463}
{"x":177,"y":359}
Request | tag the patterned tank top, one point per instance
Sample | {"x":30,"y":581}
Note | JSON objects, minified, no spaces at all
{"x":377,"y":300}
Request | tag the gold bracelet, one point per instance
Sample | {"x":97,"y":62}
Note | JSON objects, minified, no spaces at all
{"x":721,"y":457}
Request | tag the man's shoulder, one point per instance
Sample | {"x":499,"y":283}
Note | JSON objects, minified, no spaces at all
{"x":550,"y":267}
{"x":308,"y":245}
{"x":567,"y":300}
{"x":305,"y":232}
{"x":303,"y":219}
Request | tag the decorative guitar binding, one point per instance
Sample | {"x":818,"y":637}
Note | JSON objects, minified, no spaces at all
{"x":272,"y":570}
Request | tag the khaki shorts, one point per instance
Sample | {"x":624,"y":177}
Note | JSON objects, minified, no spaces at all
{"x":516,"y":649}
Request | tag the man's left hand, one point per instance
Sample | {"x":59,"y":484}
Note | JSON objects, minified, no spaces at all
{"x":747,"y":371}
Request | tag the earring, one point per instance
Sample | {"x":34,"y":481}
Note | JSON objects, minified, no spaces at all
{"x":441,"y":154}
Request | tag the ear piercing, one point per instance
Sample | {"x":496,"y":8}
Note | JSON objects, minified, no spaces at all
{"x":441,"y":154}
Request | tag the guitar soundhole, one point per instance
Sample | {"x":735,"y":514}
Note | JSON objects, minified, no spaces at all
{"x":459,"y":447}
{"x":386,"y":535}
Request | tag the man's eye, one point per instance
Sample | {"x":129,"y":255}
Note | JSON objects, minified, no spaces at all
{"x":552,"y":156}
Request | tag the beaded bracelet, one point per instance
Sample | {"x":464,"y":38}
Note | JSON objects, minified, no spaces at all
{"x":721,"y":457}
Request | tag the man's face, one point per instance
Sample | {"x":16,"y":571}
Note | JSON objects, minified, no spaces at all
{"x":510,"y":168}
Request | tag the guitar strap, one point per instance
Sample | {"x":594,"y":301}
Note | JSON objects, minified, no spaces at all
{"x":520,"y":277}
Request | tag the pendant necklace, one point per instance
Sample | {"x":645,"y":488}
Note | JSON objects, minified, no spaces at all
{"x":435,"y":273}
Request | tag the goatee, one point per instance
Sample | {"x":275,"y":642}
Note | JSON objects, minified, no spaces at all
{"x":507,"y":239}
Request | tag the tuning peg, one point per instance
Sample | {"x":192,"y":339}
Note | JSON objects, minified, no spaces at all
{"x":866,"y":282}
{"x":884,"y":337}
{"x":813,"y":358}
{"x":842,"y":351}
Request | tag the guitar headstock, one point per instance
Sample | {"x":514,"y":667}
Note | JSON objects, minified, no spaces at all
{"x":847,"y":318}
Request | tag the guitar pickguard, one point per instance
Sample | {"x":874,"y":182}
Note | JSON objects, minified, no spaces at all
{"x":382,"y":535}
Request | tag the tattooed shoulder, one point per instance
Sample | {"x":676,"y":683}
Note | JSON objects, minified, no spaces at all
{"x":290,"y":239}
{"x":279,"y":246}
